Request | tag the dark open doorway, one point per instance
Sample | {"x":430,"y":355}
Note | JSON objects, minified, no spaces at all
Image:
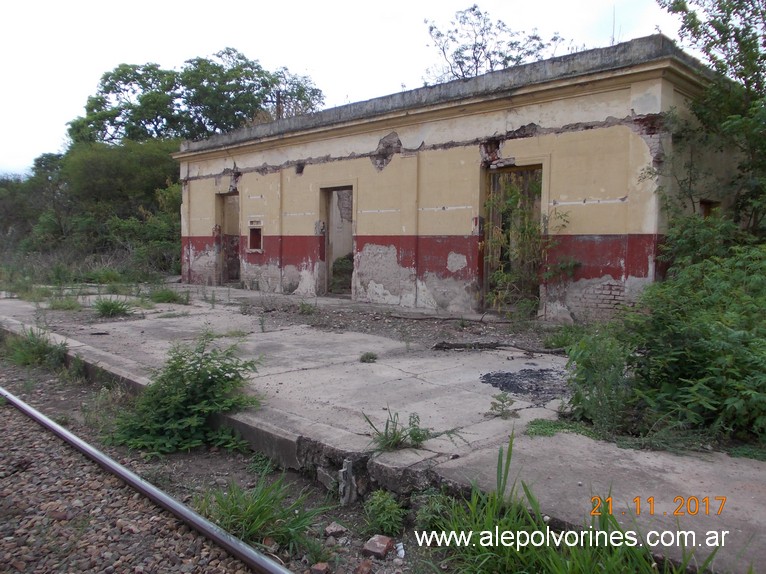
{"x":227,"y":222}
{"x":337,"y":204}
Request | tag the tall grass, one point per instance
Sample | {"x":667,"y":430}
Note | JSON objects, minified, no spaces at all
{"x":264,"y":511}
{"x":510,"y":509}
{"x":35,"y":348}
{"x":112,"y":307}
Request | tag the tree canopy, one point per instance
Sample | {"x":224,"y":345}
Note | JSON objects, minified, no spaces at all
{"x":473,"y":45}
{"x":113,"y":196}
{"x":206,"y":96}
{"x":731,"y":34}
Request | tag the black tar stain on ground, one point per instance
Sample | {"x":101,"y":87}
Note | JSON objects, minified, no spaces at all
{"x":537,"y":386}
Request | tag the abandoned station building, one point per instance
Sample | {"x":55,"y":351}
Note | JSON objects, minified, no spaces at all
{"x":401,"y":191}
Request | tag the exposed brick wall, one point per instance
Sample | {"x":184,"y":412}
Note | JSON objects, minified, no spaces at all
{"x":600,"y":301}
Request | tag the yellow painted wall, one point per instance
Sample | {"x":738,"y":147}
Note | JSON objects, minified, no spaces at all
{"x":594,"y":177}
{"x":448,"y":194}
{"x":259,"y":197}
{"x":200,"y":206}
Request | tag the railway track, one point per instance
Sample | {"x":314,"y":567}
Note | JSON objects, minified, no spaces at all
{"x":67,"y":507}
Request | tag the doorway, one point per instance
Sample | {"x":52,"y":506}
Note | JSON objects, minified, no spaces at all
{"x":337,"y":206}
{"x":227,"y":222}
{"x":514,"y":239}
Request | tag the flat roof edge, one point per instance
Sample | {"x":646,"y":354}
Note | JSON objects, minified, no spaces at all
{"x":626,"y":54}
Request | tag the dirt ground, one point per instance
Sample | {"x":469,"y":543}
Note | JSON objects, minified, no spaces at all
{"x":85,"y":409}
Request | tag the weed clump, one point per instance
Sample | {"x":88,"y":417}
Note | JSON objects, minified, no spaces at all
{"x":64,"y":303}
{"x":174,"y":412}
{"x":432,"y":507}
{"x":103,"y":275}
{"x":368,"y":357}
{"x":264,"y":511}
{"x":34,"y":348}
{"x":306,"y":308}
{"x":108,"y":308}
{"x":165,"y":295}
{"x":261,"y":464}
{"x":501,"y":406}
{"x":513,"y":507}
{"x":396,"y":435}
{"x":384,"y":513}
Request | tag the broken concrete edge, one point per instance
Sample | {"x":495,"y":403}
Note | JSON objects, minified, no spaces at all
{"x":321,"y":461}
{"x":366,"y":469}
{"x":324,"y":462}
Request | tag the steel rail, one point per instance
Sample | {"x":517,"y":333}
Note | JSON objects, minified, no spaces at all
{"x":234,"y":546}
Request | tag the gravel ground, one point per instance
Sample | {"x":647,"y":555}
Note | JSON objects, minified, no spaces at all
{"x":60,"y":512}
{"x":43,"y":541}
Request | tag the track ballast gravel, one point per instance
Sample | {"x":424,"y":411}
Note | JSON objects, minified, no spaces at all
{"x":60,"y":512}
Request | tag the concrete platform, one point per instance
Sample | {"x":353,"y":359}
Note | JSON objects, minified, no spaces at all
{"x":316,"y":392}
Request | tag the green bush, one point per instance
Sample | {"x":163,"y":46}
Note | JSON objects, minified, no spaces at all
{"x":701,"y":345}
{"x":384,"y":513}
{"x":564,"y":336}
{"x":602,"y":391}
{"x":692,"y":354}
{"x":174,"y":412}
{"x":692,"y":239}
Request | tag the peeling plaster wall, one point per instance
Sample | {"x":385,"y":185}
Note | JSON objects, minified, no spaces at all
{"x":418,"y":189}
{"x":381,"y":277}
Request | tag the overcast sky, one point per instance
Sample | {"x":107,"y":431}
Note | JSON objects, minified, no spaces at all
{"x":53,"y":52}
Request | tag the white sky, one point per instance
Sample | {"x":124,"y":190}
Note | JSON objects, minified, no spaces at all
{"x":53,"y":52}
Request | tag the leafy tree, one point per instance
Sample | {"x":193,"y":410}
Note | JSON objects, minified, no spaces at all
{"x":207,"y":96}
{"x":74,"y":195}
{"x":222,"y":94}
{"x":48,"y":197}
{"x":107,"y":180}
{"x":474,"y":45}
{"x":292,"y":95}
{"x":152,"y":239}
{"x":133,"y":102}
{"x":731,"y":34}
{"x":16,"y":213}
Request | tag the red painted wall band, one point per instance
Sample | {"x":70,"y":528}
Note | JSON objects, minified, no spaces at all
{"x":618,"y":256}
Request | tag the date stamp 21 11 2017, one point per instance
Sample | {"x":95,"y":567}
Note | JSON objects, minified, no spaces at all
{"x":684,"y":506}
